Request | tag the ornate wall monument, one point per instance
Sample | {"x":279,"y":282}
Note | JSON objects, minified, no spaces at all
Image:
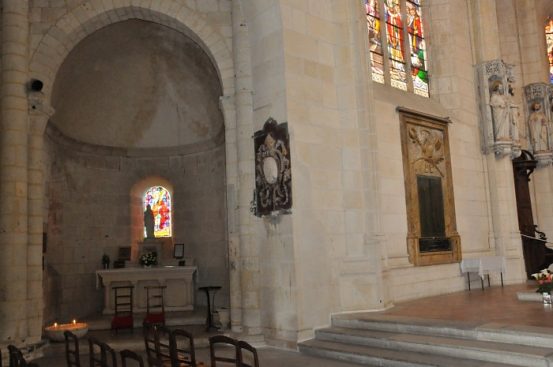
{"x":432,"y":236}
{"x":538,"y":106}
{"x":499,"y":114}
{"x":273,"y":175}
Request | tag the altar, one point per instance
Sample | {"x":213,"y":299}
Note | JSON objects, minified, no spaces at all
{"x":179,"y":280}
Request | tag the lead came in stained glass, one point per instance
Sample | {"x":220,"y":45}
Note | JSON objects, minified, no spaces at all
{"x":549,"y":40}
{"x":159,"y":200}
{"x":375,"y":46}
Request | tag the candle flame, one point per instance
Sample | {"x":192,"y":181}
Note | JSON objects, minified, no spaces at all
{"x":74,"y":321}
{"x":55,"y":324}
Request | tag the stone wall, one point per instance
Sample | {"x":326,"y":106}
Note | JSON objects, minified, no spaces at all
{"x":89,"y":198}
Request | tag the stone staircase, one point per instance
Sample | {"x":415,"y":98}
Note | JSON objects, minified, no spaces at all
{"x":379,"y":340}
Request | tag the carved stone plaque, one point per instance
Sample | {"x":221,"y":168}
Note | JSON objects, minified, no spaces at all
{"x":273,"y":175}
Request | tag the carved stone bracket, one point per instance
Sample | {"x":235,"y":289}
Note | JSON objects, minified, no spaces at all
{"x":273,"y":175}
{"x":499,"y":114}
{"x":539,"y":101}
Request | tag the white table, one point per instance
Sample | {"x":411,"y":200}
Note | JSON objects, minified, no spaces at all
{"x":483,"y":266}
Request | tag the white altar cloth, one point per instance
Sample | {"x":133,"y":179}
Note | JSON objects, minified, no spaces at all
{"x":178,"y":296}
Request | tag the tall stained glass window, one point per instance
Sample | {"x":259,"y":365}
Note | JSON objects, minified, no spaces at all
{"x":549,"y":40}
{"x":159,"y":200}
{"x":375,"y":45}
{"x":402,"y":62}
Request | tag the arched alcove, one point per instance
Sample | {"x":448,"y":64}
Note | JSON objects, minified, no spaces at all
{"x":137,"y":105}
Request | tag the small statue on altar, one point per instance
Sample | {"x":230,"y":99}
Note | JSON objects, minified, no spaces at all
{"x":149,"y":222}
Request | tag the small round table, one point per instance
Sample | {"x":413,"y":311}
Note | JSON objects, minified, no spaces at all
{"x":207,"y":290}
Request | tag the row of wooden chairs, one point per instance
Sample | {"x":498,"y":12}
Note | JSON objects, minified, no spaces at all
{"x":232,"y":352}
{"x":164,"y":347}
{"x":16,"y":358}
{"x":100,"y":354}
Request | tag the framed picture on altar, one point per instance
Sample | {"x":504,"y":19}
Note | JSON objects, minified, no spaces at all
{"x":124,"y":253}
{"x":178,"y":251}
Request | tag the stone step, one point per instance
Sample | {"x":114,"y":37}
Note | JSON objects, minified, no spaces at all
{"x":523,"y":335}
{"x":372,"y":356}
{"x":513,"y":354}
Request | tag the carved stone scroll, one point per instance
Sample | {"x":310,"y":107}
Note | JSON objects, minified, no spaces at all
{"x":273,"y":175}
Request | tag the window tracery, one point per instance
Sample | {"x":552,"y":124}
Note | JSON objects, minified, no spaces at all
{"x":401,"y":64}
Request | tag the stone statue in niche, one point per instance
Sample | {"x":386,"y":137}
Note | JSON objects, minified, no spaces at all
{"x":539,"y":129}
{"x":539,"y":125}
{"x":273,"y":178}
{"x":514,"y":116}
{"x":149,"y":222}
{"x":500,"y":112}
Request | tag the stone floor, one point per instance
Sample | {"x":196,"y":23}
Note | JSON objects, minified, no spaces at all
{"x":495,"y":304}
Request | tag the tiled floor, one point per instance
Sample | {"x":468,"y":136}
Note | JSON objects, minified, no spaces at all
{"x":495,"y":304}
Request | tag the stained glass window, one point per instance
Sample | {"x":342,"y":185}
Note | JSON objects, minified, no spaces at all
{"x":375,"y":45}
{"x":394,"y":41}
{"x":549,"y":40}
{"x":159,"y":200}
{"x":417,"y":48}
{"x":403,"y":60}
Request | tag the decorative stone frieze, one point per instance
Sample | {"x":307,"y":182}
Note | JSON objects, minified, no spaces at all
{"x":538,"y":106}
{"x":499,"y":114}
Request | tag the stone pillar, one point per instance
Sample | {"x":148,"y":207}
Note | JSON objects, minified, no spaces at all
{"x":494,"y":78}
{"x":13,"y":171}
{"x":248,"y":264}
{"x":39,"y":113}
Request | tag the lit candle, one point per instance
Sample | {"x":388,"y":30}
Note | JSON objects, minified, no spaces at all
{"x":55,"y":324}
{"x":74,"y":321}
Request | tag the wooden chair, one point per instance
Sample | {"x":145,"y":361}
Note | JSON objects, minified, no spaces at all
{"x":16,"y":357}
{"x":155,"y":306}
{"x":219,"y":351}
{"x":242,"y":346}
{"x":129,"y":355}
{"x":182,"y":349}
{"x":123,"y":304}
{"x":163,"y":345}
{"x":150,"y":345}
{"x":101,"y":354}
{"x":72,"y":349}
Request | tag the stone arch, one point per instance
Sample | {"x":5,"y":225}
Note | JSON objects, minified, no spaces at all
{"x":87,"y":18}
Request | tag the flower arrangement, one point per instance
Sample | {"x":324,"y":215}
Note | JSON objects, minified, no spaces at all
{"x":148,"y":259}
{"x":545,"y":281}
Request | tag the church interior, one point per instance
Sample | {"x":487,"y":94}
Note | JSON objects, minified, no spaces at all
{"x":278,"y":171}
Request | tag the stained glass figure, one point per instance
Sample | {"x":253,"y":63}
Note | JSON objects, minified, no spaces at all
{"x":394,"y":40}
{"x":375,"y":46}
{"x":417,"y":48}
{"x":549,"y":40}
{"x":159,"y":199}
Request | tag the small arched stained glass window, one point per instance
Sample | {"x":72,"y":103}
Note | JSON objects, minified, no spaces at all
{"x":159,"y":200}
{"x":549,"y":40}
